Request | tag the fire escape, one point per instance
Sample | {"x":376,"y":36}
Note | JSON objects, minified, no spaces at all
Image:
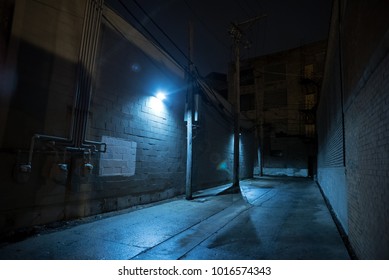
{"x":310,"y":88}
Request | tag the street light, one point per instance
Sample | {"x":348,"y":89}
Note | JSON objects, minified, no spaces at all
{"x":161,"y":95}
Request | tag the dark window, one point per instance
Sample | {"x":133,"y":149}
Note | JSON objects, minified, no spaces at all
{"x":275,"y":98}
{"x":247,"y":102}
{"x":246,"y":77}
{"x":276,"y":72}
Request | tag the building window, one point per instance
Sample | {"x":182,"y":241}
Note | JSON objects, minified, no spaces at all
{"x":308,"y":71}
{"x":275,"y":98}
{"x":247,"y":102}
{"x":310,"y":130}
{"x":246,"y":77}
{"x":276,"y":72}
{"x":309,"y":101}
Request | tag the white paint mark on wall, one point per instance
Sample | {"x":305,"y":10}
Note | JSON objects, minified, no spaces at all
{"x":119,"y":159}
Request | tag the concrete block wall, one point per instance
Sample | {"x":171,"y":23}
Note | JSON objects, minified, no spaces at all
{"x":213,"y":148}
{"x":40,"y":69}
{"x":43,"y":53}
{"x":145,"y":137}
{"x":119,"y":159}
{"x":145,"y":159}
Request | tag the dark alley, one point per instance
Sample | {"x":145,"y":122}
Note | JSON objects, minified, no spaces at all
{"x":194,"y":130}
{"x":272,"y":218}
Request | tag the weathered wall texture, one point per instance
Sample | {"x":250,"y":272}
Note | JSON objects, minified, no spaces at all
{"x":357,"y":84}
{"x":145,"y":138}
{"x":37,"y":95}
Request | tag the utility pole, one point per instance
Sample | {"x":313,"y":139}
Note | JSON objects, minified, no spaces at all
{"x":237,"y":33}
{"x":189,"y":119}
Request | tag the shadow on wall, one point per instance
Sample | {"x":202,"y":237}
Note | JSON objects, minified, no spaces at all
{"x":41,"y":102}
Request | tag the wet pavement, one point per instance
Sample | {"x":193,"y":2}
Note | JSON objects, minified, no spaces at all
{"x":271,"y":218}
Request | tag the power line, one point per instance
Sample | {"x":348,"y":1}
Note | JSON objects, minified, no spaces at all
{"x":160,"y":29}
{"x":206,"y":88}
{"x":157,"y":65}
{"x":252,"y":32}
{"x":210,"y":31}
{"x":155,"y":40}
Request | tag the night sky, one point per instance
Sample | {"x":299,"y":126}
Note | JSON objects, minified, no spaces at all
{"x":288,"y":24}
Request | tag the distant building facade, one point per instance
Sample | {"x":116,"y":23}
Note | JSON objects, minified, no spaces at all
{"x":279,"y":93}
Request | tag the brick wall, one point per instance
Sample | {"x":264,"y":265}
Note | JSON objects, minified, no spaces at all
{"x":331,"y":174}
{"x":367,"y":161}
{"x":358,"y":71}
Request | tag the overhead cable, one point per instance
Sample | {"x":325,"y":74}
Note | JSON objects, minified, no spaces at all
{"x":163,"y":32}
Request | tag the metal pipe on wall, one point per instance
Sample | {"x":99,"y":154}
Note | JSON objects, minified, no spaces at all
{"x":95,"y":30}
{"x":88,"y":49}
{"x":82,"y":74}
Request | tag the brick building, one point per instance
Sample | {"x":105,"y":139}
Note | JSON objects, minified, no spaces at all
{"x":353,"y":126}
{"x":279,"y":93}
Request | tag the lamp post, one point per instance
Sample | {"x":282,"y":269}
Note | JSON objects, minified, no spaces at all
{"x":189,"y":119}
{"x":237,"y":33}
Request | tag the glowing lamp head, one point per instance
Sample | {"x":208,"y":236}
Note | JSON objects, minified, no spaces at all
{"x":160,"y":95}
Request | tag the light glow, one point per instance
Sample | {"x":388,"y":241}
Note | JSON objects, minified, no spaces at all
{"x":156,"y":105}
{"x":161,"y":95}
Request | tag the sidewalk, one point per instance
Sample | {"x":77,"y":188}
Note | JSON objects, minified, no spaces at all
{"x":272,"y":218}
